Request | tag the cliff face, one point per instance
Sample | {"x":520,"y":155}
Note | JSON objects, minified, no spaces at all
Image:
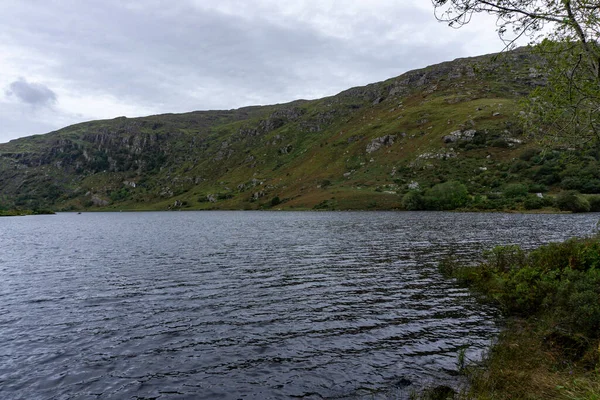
{"x":363,"y":146}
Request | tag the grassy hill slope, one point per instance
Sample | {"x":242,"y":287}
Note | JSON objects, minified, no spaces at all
{"x":364,"y":148}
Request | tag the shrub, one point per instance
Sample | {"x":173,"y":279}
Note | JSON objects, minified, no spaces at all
{"x":275,"y":201}
{"x":119,"y":195}
{"x":481,"y":203}
{"x":533,"y":203}
{"x":505,"y":258}
{"x":529,"y":153}
{"x":538,"y":188}
{"x":413,"y":201}
{"x":584,"y":184}
{"x":578,"y":297}
{"x":560,"y":280}
{"x":523,"y":292}
{"x":502,"y":143}
{"x":518,"y":165}
{"x":572,"y":201}
{"x":446,"y":196}
{"x":515,"y":190}
{"x":594,"y":203}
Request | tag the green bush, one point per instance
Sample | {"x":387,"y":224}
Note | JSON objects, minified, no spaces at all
{"x":594,"y":203}
{"x":518,"y":165}
{"x":577,"y":298}
{"x":523,"y":292}
{"x":446,"y":196}
{"x":275,"y":201}
{"x":572,"y":201}
{"x":505,"y":258}
{"x":119,"y":195}
{"x":538,"y":188}
{"x":481,"y":203}
{"x":533,"y":203}
{"x":529,"y":153}
{"x":502,"y":143}
{"x":413,"y":201}
{"x":560,"y":280}
{"x":515,"y":190}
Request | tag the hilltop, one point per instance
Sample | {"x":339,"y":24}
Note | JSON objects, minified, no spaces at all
{"x":364,"y":148}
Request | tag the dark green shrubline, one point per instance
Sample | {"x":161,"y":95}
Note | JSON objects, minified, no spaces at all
{"x":559,"y":278}
{"x":550,"y":344}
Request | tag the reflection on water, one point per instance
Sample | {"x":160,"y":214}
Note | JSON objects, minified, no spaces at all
{"x":244,"y":304}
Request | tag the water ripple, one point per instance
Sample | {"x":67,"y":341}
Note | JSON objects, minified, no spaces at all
{"x":255,"y":305}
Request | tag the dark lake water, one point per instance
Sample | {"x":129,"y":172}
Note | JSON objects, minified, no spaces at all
{"x":228,"y":305}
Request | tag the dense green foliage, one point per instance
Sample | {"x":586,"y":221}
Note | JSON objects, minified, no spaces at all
{"x":572,"y":201}
{"x":561,"y":278}
{"x":443,"y":196}
{"x":446,"y":196}
{"x":551,"y":346}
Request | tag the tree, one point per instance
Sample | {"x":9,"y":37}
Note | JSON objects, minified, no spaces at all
{"x":567,"y":33}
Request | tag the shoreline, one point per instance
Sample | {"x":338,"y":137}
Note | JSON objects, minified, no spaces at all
{"x":549,"y":345}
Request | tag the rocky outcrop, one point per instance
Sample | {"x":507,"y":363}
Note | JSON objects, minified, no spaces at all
{"x":377,"y":143}
{"x":466,"y":135}
{"x":275,"y":121}
{"x":97,"y":201}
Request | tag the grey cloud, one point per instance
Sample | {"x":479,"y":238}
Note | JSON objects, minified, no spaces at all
{"x":186,"y":58}
{"x":174,"y":57}
{"x":32,"y":93}
{"x":18,"y":119}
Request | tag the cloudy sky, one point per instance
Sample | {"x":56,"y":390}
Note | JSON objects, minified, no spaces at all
{"x":67,"y":61}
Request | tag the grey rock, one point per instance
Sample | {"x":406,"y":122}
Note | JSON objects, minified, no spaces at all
{"x":377,"y":101}
{"x":466,"y":135}
{"x":286,"y":149}
{"x":414,"y":185}
{"x":376,"y":143}
{"x":97,"y":201}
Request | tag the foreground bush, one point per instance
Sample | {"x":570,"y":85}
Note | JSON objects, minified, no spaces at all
{"x":563,"y":279}
{"x":551,"y":345}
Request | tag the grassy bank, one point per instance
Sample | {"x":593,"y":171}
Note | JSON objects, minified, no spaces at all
{"x":550,"y":345}
{"x":16,"y":213}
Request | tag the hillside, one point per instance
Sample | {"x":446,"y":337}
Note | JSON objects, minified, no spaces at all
{"x":361,"y":149}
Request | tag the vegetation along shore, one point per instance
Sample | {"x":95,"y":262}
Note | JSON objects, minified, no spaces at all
{"x":549,"y":347}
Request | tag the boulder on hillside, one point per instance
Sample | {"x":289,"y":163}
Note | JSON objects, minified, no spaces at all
{"x":455,"y":136}
{"x":376,"y":143}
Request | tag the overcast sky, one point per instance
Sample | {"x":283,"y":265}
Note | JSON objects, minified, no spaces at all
{"x":68,"y":61}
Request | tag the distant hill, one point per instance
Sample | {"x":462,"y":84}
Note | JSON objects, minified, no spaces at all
{"x":364,"y":148}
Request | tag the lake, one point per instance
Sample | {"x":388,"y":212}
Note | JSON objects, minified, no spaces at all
{"x":254,"y":305}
